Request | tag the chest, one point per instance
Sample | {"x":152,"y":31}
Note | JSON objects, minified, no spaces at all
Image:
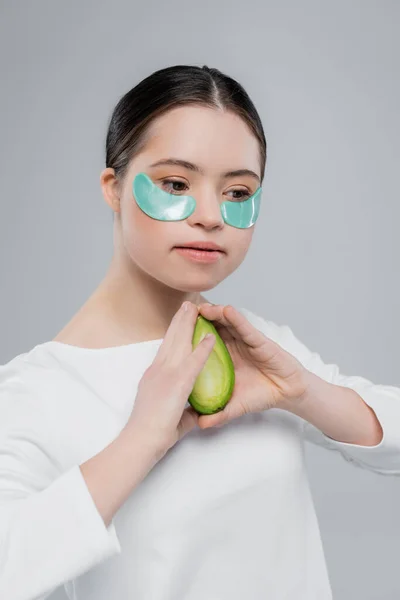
{"x":251,"y":459}
{"x":245,"y":464}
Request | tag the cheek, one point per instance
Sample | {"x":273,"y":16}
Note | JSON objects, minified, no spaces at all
{"x":239,"y":241}
{"x":144,"y":238}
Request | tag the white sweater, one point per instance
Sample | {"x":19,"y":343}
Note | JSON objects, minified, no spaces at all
{"x":226,"y":514}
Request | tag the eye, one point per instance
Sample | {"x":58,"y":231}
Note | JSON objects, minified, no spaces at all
{"x":173,"y":181}
{"x":245,"y":194}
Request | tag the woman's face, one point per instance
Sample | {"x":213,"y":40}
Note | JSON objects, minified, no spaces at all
{"x":216,"y":142}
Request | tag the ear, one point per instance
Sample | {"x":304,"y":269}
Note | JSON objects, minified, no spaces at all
{"x":110,"y":188}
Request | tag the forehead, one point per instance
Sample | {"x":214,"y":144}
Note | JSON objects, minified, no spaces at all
{"x":216,"y":140}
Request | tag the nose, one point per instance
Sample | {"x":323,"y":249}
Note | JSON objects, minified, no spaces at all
{"x":207,"y":213}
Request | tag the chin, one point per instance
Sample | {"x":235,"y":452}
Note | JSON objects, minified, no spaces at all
{"x":195,"y":283}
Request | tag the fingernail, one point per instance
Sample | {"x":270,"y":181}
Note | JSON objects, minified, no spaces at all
{"x":185,"y":305}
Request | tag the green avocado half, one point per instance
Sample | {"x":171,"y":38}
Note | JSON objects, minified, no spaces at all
{"x":214,"y":384}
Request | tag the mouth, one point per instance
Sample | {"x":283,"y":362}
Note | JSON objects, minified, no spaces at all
{"x":204,"y":255}
{"x":201,"y":245}
{"x":201,"y":249}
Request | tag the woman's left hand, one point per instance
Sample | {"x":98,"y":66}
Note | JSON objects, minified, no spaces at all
{"x":266,"y":376}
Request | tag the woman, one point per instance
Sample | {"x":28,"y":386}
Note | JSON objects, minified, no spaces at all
{"x":110,"y":482}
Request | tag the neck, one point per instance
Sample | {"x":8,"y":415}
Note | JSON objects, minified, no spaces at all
{"x":139,"y":300}
{"x":128,"y":306}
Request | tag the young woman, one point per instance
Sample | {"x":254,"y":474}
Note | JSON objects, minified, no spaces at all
{"x":110,"y":482}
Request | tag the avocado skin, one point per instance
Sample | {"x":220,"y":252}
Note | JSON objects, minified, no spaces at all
{"x":214,"y":385}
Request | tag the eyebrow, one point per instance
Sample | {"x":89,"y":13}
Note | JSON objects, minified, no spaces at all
{"x":192,"y":167}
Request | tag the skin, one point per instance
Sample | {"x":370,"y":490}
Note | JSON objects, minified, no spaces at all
{"x":147,"y":280}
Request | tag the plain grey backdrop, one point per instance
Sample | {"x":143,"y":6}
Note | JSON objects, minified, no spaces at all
{"x":324,"y":259}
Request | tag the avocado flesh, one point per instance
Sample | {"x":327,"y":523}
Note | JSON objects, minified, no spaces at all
{"x":214,"y":384}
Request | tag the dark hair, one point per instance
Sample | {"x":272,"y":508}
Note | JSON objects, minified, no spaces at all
{"x":168,"y":88}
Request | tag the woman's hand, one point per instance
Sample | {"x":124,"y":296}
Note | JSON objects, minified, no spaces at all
{"x":266,"y":375}
{"x":159,"y":414}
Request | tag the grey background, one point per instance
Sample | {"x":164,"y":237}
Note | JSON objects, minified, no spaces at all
{"x":324,"y":259}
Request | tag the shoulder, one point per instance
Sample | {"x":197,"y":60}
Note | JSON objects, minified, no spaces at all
{"x":12,"y":376}
{"x":18,"y":402}
{"x":23,"y":369}
{"x":25,"y":388}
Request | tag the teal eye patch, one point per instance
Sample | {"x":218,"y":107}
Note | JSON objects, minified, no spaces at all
{"x":163,"y":206}
{"x":158,"y":204}
{"x":242,"y":214}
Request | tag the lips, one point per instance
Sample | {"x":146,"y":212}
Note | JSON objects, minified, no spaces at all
{"x":203,"y":246}
{"x":199,"y":249}
{"x":199,"y":255}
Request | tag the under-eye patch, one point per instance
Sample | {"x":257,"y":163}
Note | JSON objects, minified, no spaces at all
{"x":158,"y":204}
{"x":242,"y":213}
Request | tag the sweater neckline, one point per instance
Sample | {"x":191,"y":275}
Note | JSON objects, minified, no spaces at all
{"x":54,"y":344}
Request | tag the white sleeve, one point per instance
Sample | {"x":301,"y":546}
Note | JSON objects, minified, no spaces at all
{"x":384,"y":458}
{"x":50,"y":528}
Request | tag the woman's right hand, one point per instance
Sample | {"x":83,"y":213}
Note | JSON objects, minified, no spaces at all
{"x":159,"y":413}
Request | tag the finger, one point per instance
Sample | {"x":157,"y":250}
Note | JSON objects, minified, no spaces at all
{"x":183,"y":340}
{"x":198,"y":358}
{"x":189,"y":421}
{"x":236,"y":323}
{"x":224,"y":332}
{"x":177,"y":341}
{"x":214,"y":312}
{"x":220,"y":418}
{"x":170,"y":333}
{"x":190,"y":367}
